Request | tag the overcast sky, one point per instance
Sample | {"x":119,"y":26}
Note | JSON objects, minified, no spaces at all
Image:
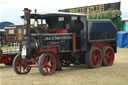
{"x":11,"y":10}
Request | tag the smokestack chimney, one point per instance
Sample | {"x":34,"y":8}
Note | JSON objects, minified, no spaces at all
{"x":27,"y":20}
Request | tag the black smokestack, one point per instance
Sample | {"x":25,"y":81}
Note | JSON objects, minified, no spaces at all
{"x":27,"y":20}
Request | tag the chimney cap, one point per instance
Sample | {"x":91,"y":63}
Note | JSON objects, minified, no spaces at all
{"x":26,"y":10}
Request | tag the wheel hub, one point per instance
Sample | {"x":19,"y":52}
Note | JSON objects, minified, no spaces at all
{"x":49,"y":64}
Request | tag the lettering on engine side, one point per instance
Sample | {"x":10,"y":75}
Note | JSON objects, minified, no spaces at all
{"x":57,"y":38}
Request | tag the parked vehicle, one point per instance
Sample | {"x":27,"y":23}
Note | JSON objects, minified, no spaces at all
{"x":10,"y":38}
{"x":58,"y":39}
{"x":8,"y":52}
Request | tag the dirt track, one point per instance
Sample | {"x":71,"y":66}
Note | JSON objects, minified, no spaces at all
{"x":74,"y":75}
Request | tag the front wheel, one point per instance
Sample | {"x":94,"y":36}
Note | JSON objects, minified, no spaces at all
{"x":47,"y":64}
{"x":20,"y":65}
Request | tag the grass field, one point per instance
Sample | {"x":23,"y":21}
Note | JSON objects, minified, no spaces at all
{"x":73,"y":75}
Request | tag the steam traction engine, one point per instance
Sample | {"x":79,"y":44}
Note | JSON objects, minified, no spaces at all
{"x":56,"y":39}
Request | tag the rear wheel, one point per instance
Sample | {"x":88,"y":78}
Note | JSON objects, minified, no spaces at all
{"x":20,"y":65}
{"x":94,"y":58}
{"x":108,"y":56}
{"x":47,"y":64}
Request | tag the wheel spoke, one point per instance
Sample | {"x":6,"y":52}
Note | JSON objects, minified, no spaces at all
{"x":19,"y":68}
{"x":44,"y":64}
{"x":94,"y":62}
{"x":23,"y":69}
{"x":46,"y":69}
{"x":46,"y":61}
{"x":94,"y":58}
{"x":108,"y":55}
{"x":50,"y":60}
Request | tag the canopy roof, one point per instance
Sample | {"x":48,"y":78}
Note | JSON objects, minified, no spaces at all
{"x":43,"y":15}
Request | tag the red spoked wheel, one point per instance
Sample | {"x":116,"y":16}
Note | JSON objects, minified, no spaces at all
{"x":94,"y":58}
{"x":108,"y":56}
{"x":47,"y":64}
{"x":20,"y":65}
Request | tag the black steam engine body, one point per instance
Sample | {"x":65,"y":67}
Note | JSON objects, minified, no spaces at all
{"x":60,"y":39}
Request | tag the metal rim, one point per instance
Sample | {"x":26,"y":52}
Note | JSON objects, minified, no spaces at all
{"x":21,"y":66}
{"x":109,"y":56}
{"x":48,"y":64}
{"x":96,"y":58}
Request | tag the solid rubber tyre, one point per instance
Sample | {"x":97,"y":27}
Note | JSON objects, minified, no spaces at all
{"x":93,"y":58}
{"x":108,"y":56}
